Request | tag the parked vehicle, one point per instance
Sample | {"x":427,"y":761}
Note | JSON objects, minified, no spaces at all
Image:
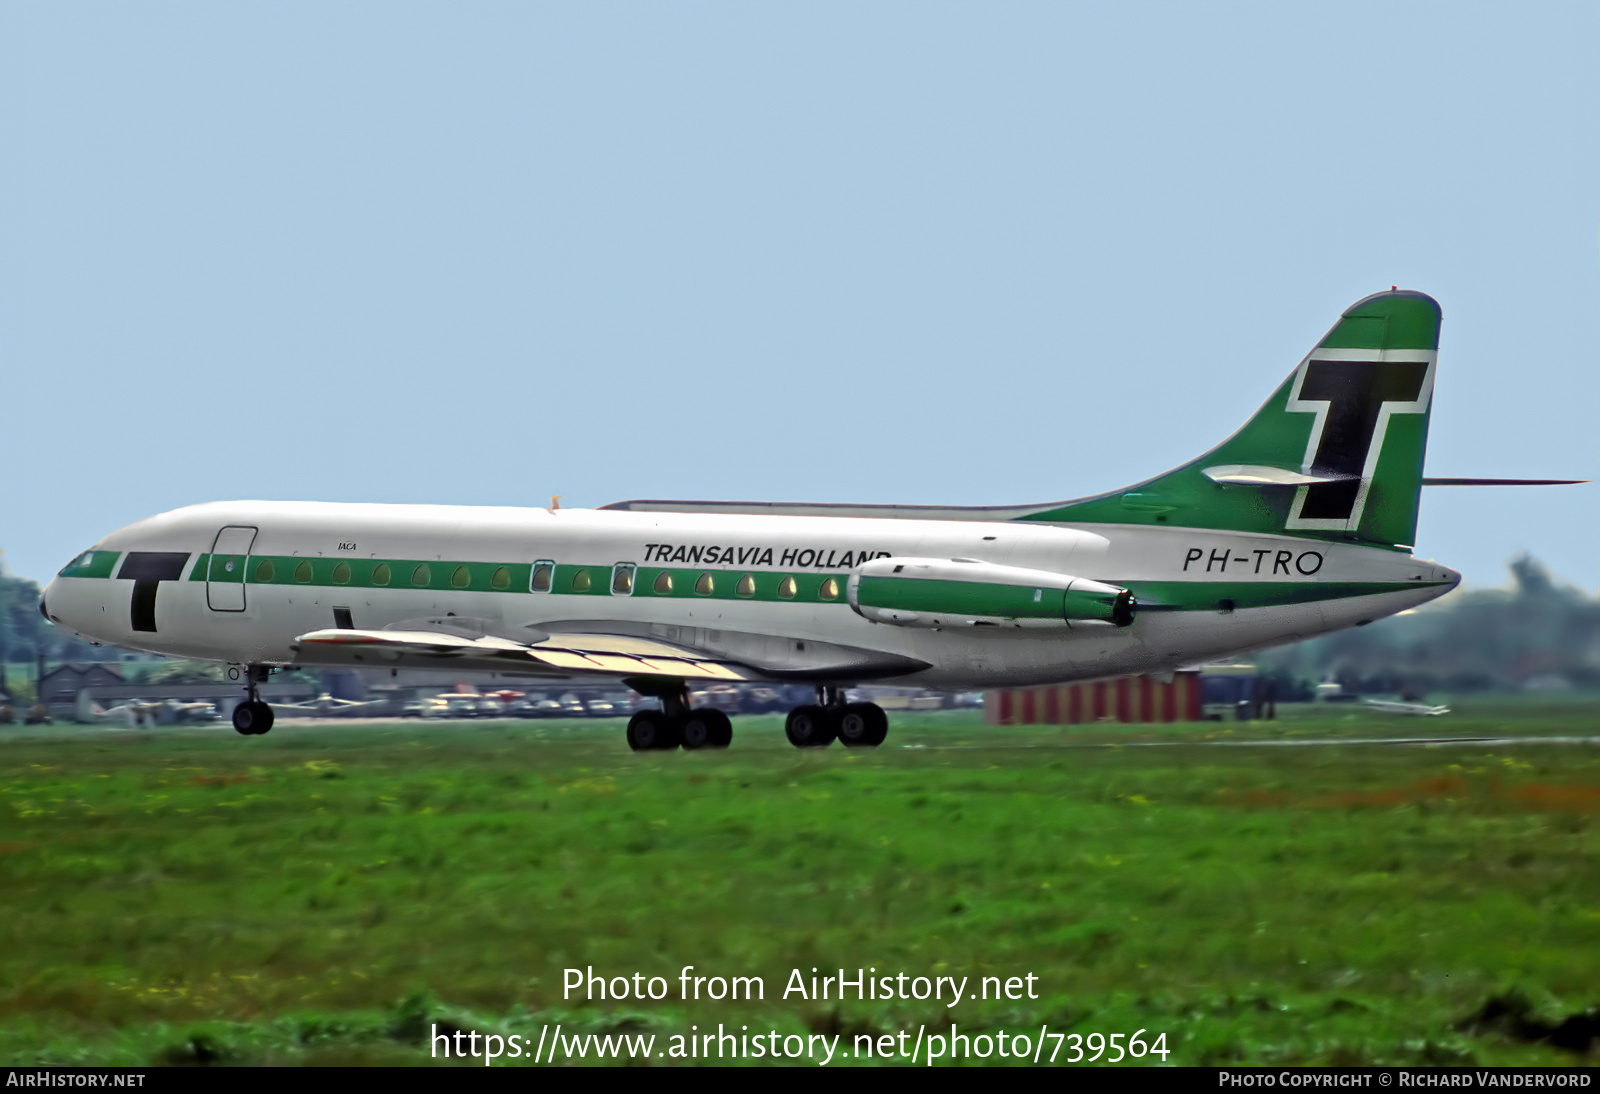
{"x":723,"y":697}
{"x":760,"y":700}
{"x":534,"y":705}
{"x":459,"y":704}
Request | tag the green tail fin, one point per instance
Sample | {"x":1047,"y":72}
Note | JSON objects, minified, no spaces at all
{"x":1336,"y":453}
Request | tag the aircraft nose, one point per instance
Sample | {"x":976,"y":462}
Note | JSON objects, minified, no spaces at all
{"x":44,"y":602}
{"x":52,"y":594}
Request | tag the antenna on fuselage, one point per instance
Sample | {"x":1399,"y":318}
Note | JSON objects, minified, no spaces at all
{"x":555,"y":503}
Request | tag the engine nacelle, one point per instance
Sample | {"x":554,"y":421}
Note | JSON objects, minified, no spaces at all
{"x":963,"y":592}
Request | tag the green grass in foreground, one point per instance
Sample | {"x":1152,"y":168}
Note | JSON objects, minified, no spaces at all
{"x":322,"y":894}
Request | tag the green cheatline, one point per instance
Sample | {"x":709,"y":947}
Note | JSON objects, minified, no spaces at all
{"x":569,"y":579}
{"x":92,"y":564}
{"x":1208,"y":595}
{"x":974,"y":598}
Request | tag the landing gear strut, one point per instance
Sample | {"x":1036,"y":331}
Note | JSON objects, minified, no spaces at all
{"x":253,"y":717}
{"x":854,"y":725}
{"x":676,"y":724}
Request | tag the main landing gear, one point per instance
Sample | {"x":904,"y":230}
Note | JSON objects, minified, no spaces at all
{"x":253,"y":717}
{"x":676,"y":724}
{"x":854,"y":725}
{"x":815,"y":725}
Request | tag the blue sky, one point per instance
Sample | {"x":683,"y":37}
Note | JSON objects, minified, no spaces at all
{"x":484,"y":253}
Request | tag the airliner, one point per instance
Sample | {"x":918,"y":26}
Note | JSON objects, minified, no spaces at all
{"x":1298,"y":524}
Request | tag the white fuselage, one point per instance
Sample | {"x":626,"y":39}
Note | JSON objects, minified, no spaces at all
{"x":1202,"y":594}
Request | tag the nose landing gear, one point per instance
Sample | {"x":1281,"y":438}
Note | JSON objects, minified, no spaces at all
{"x":252,"y":717}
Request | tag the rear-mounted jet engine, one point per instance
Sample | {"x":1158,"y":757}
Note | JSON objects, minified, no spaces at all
{"x":963,"y":592}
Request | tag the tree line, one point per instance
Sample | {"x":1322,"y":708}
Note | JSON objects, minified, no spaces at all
{"x":1538,"y":633}
{"x":25,"y":633}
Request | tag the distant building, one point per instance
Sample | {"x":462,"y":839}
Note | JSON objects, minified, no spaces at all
{"x":1125,"y":699}
{"x":1237,"y":692}
{"x":60,"y":686}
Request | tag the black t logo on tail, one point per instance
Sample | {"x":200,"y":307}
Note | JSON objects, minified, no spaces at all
{"x":1356,"y":398}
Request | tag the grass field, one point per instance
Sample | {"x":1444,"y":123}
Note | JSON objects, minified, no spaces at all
{"x":327,"y":893}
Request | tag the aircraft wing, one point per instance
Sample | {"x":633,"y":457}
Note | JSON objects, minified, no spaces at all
{"x":555,"y":654}
{"x":1388,"y":706}
{"x":330,"y":705}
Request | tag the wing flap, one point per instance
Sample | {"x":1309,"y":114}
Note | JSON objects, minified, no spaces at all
{"x":602,"y":654}
{"x":433,"y":641}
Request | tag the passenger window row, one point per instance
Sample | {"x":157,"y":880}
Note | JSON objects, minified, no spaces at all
{"x":382,"y":575}
{"x":542,"y":579}
{"x":622,"y":583}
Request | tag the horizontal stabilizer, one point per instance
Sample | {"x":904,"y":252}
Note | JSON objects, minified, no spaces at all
{"x":1503,"y":482}
{"x":1247,"y":474}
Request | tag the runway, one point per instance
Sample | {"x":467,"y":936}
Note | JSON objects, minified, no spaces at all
{"x":1321,"y":742}
{"x":771,"y":738}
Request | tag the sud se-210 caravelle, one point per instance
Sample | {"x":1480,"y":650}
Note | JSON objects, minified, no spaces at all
{"x":1298,"y":524}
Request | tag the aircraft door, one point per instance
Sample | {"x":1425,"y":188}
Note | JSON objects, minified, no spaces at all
{"x":225,"y":575}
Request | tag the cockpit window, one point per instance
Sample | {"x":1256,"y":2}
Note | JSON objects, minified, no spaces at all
{"x":91,"y":563}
